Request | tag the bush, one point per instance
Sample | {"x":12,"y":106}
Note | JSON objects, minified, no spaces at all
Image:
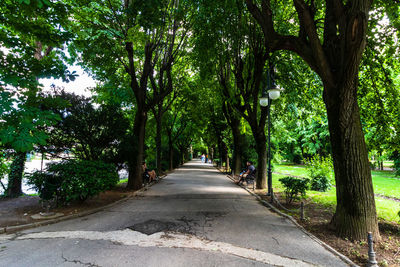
{"x":320,"y":170}
{"x":293,"y":187}
{"x":320,"y":183}
{"x":68,"y":181}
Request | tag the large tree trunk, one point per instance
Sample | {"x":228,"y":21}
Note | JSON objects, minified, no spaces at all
{"x":14,"y":187}
{"x":171,"y":154}
{"x":158,"y":142}
{"x":135,"y":179}
{"x":262,"y":160}
{"x":183,"y":155}
{"x":355,"y":213}
{"x":237,"y":147}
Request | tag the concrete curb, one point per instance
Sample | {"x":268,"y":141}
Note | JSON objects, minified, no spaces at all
{"x":16,"y":228}
{"x":316,"y":239}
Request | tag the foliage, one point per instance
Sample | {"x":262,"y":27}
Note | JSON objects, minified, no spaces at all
{"x":4,"y":168}
{"x":87,"y":131}
{"x":319,"y":169}
{"x":32,"y":44}
{"x":294,"y":186}
{"x":69,"y":181}
{"x":21,"y":128}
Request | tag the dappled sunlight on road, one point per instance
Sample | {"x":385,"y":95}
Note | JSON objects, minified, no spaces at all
{"x":222,"y":189}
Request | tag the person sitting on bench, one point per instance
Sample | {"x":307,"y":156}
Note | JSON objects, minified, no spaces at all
{"x":148,"y":175}
{"x":248,"y":174}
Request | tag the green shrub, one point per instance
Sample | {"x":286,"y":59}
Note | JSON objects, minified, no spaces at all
{"x":319,"y":170}
{"x":73,"y":180}
{"x":294,"y":186}
{"x":320,"y":183}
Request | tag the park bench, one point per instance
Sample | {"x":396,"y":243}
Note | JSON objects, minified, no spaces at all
{"x":250,"y":179}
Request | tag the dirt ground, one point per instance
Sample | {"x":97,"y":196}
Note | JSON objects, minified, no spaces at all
{"x":317,"y":222}
{"x":18,"y":211}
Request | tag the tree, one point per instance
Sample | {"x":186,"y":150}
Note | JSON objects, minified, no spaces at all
{"x":175,"y":126}
{"x":239,"y":57}
{"x":165,"y":103}
{"x":87,"y":132}
{"x":30,"y":35}
{"x":334,"y":52}
{"x":136,"y":35}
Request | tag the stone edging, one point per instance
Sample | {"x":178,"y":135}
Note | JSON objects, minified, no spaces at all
{"x":316,"y":239}
{"x":16,"y":228}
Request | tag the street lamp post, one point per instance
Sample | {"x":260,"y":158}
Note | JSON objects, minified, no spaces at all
{"x":274,"y":92}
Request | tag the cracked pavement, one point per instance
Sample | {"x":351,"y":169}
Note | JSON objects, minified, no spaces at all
{"x":195,"y":216}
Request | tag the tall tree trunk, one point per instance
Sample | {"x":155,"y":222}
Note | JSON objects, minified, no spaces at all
{"x":158,"y":141}
{"x":14,"y":187}
{"x":237,"y":147}
{"x":355,"y":213}
{"x":171,"y":153}
{"x":183,"y":155}
{"x":135,"y":179}
{"x":262,"y":160}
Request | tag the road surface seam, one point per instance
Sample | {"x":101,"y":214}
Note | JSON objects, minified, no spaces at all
{"x":169,"y":240}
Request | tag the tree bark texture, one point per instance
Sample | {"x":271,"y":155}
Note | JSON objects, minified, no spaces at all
{"x":261,"y":149}
{"x":135,"y":179}
{"x":234,"y":124}
{"x":171,"y":153}
{"x":14,"y":187}
{"x":158,"y":140}
{"x":237,"y":151}
{"x":356,"y":212}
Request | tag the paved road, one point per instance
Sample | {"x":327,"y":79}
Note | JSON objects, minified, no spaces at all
{"x":194,"y":217}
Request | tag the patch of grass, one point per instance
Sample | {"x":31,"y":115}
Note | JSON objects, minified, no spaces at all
{"x":387,"y":209}
{"x":327,"y":199}
{"x":123,"y":181}
{"x":384,"y":182}
{"x":296,"y":170}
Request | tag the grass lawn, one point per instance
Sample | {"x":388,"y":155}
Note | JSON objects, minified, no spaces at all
{"x":385,"y":183}
{"x":386,"y":209}
{"x":123,"y":181}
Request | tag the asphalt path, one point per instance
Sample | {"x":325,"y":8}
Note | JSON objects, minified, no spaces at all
{"x":195,"y":216}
